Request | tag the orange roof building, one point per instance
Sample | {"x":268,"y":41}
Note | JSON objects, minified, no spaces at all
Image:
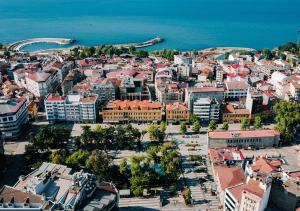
{"x":177,"y":112}
{"x":132,"y":111}
{"x":244,"y":138}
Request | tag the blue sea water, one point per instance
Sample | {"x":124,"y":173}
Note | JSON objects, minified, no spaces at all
{"x":185,"y":24}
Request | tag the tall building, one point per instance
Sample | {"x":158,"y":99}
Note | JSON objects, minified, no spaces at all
{"x":73,"y":108}
{"x":207,"y":109}
{"x":13,"y":115}
{"x":132,"y":111}
{"x":254,"y":101}
{"x":193,"y":94}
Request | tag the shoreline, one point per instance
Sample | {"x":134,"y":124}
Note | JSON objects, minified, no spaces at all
{"x":19,"y":45}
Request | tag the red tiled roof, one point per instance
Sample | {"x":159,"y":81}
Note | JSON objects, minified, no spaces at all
{"x":205,"y":89}
{"x":243,"y":134}
{"x":252,"y":186}
{"x":237,"y":191}
{"x":229,"y":177}
{"x":8,"y":194}
{"x":127,"y":104}
{"x":39,"y":76}
{"x":54,"y":97}
{"x":263,"y":165}
{"x":236,"y":85}
{"x":89,"y":99}
{"x":176,"y":106}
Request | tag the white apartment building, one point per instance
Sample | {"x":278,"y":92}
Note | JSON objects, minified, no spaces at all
{"x":73,"y":108}
{"x":236,"y":89}
{"x":207,"y":109}
{"x":37,"y":82}
{"x":181,"y":59}
{"x":13,"y":115}
{"x":250,"y":196}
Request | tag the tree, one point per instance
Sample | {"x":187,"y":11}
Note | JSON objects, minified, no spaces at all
{"x":183,"y":128}
{"x":163,"y":127}
{"x":225,"y":126}
{"x":196,"y":127}
{"x":170,"y":160}
{"x":257,"y":122}
{"x":287,"y":119}
{"x":245,"y":123}
{"x":77,"y":159}
{"x":57,"y":158}
{"x":152,"y":130}
{"x":123,"y":168}
{"x":212,"y":125}
{"x":193,"y":118}
{"x":87,"y":135}
{"x":99,"y":164}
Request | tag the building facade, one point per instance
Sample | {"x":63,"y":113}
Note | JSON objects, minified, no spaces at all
{"x":13,"y":115}
{"x":71,"y":108}
{"x":236,"y":89}
{"x":132,"y":111}
{"x":192,"y":94}
{"x":207,"y":109}
{"x":243,"y":138}
{"x":176,"y":112}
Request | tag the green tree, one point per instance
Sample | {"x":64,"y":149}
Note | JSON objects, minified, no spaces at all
{"x":212,"y":125}
{"x":257,"y":122}
{"x":57,"y":158}
{"x":163,"y":126}
{"x":196,"y":127}
{"x":287,"y":119}
{"x":193,"y":118}
{"x":123,"y":168}
{"x":99,"y":164}
{"x":183,"y":128}
{"x":245,"y":123}
{"x":225,"y":126}
{"x":77,"y":159}
{"x":87,"y":135}
{"x":187,"y":195}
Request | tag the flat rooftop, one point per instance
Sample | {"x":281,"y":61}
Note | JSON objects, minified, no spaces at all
{"x":10,"y":105}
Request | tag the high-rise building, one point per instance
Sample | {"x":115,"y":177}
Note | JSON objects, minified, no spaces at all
{"x":207,"y":109}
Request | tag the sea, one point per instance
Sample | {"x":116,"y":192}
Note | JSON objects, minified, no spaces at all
{"x":184,"y":24}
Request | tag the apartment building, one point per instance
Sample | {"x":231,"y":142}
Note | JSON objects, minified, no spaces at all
{"x":177,"y":112}
{"x":207,"y":109}
{"x":53,"y":187}
{"x":37,"y":82}
{"x":73,"y":108}
{"x":234,"y":112}
{"x":13,"y":115}
{"x":243,"y":138}
{"x":104,"y":88}
{"x":132,"y":111}
{"x":193,"y":94}
{"x":236,"y":89}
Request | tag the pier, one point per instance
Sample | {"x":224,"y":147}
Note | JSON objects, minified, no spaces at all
{"x":142,"y":44}
{"x":17,"y":46}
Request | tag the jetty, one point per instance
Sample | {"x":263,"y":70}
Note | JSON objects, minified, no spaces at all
{"x":151,"y":42}
{"x":17,"y":46}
